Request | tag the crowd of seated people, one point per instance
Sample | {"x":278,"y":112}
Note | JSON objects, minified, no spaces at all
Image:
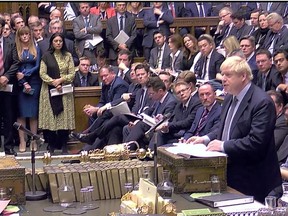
{"x":167,"y":82}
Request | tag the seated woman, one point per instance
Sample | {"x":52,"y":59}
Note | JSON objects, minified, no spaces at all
{"x":230,"y":44}
{"x":175,"y":43}
{"x":261,"y":32}
{"x":191,"y":52}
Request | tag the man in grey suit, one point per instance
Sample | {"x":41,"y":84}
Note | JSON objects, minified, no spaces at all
{"x":159,"y":55}
{"x":87,"y":27}
{"x":121,"y":21}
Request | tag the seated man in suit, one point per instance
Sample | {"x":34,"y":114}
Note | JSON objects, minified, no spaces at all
{"x":83,"y":77}
{"x":268,"y":78}
{"x":182,"y":116}
{"x":276,"y":37}
{"x":248,"y":45}
{"x":207,"y":116}
{"x":112,"y":89}
{"x":280,"y":59}
{"x":124,"y":59}
{"x":245,"y":132}
{"x":208,"y":65}
{"x":241,"y":26}
{"x":164,"y":103}
{"x":225,"y":27}
{"x":159,"y":55}
{"x":281,"y":127}
{"x":137,"y":99}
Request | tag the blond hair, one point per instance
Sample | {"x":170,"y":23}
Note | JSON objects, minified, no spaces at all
{"x":237,"y":65}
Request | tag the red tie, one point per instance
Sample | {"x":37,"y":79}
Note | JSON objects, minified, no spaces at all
{"x":172,"y":10}
{"x":1,"y":61}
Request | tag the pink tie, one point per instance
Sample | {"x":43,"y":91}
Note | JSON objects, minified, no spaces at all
{"x":1,"y":62}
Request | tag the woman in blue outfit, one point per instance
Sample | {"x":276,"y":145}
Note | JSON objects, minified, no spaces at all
{"x":29,"y":83}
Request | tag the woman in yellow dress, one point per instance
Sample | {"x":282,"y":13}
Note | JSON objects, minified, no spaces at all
{"x":56,"y":114}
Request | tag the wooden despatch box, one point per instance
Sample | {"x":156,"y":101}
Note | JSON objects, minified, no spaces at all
{"x":12,"y":178}
{"x":193,"y":174}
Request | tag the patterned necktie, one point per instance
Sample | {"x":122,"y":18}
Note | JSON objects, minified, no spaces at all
{"x":202,"y":122}
{"x":228,"y":120}
{"x":1,"y":61}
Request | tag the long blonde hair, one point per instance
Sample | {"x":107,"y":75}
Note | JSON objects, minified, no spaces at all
{"x":19,"y":45}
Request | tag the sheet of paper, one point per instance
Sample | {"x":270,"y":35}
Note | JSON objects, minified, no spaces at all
{"x":7,"y":88}
{"x":96,"y":40}
{"x":255,"y":206}
{"x":121,"y":108}
{"x":66,"y":89}
{"x":122,"y":37}
{"x":197,"y":150}
{"x":3,"y":204}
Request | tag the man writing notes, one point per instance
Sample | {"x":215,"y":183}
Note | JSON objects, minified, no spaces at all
{"x":245,"y":132}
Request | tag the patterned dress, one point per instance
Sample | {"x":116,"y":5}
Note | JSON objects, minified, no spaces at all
{"x":66,"y":119}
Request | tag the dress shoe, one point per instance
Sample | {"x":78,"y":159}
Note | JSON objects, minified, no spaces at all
{"x":84,"y":138}
{"x":10,"y":152}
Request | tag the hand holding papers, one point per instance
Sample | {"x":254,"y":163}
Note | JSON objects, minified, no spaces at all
{"x":7,"y":88}
{"x":122,"y":37}
{"x":96,"y":40}
{"x":66,"y":89}
{"x":197,"y":150}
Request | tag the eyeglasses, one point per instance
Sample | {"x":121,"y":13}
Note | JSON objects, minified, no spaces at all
{"x":223,"y":15}
{"x":181,"y":91}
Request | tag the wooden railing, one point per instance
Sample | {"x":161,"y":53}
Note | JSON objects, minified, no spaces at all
{"x":180,"y":22}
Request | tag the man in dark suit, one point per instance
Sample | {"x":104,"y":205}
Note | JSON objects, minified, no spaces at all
{"x":87,"y":27}
{"x":140,"y":102}
{"x":156,"y":18}
{"x":207,"y":116}
{"x":245,"y":132}
{"x":280,"y":59}
{"x":276,"y":37}
{"x":159,"y":55}
{"x":164,"y":103}
{"x":248,"y":46}
{"x":56,"y":26}
{"x":281,"y":126}
{"x":268,"y":78}
{"x":83,"y":77}
{"x":121,"y":21}
{"x":282,"y":152}
{"x":182,"y":117}
{"x":122,"y":69}
{"x":241,"y":26}
{"x":113,"y":87}
{"x":208,"y":65}
{"x":9,"y":64}
{"x":225,"y":27}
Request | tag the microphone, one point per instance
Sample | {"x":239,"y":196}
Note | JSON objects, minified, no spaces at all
{"x":36,"y":137}
{"x":166,"y":116}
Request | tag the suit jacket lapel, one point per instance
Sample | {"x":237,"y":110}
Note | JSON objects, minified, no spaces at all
{"x":5,"y":48}
{"x":242,"y":106}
